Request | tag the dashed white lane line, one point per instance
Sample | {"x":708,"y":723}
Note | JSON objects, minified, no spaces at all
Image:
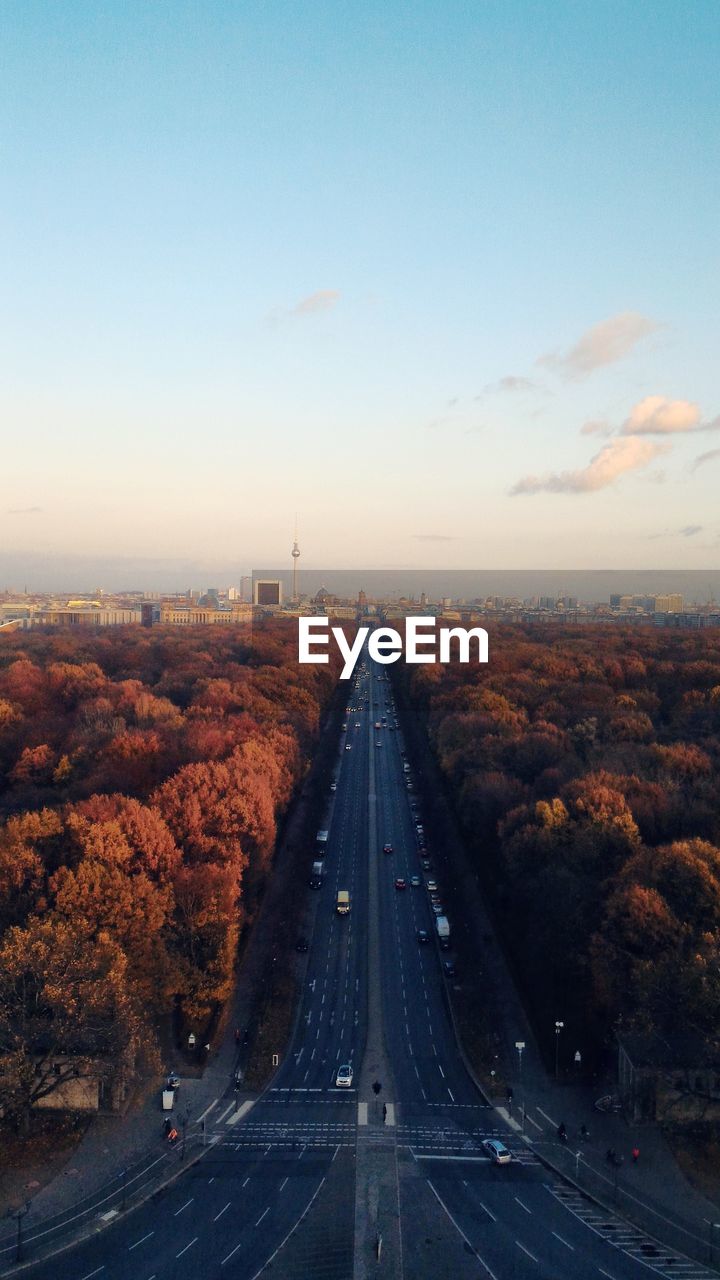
{"x":141,"y":1241}
{"x":183,"y":1206}
{"x":522,"y":1206}
{"x":461,"y":1233}
{"x":262,"y":1215}
{"x":489,"y":1212}
{"x":187,"y":1246}
{"x":284,"y":1183}
{"x":527,"y":1251}
{"x":222,"y":1211}
{"x":96,"y":1272}
{"x":565,"y":1242}
{"x":225,"y":1113}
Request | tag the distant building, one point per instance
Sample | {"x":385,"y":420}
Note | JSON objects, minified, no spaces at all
{"x":268,"y":592}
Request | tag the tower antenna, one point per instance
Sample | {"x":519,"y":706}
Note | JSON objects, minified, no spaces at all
{"x":295,"y":553}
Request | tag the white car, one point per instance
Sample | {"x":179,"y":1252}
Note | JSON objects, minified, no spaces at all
{"x":497,"y":1151}
{"x":344,"y":1077}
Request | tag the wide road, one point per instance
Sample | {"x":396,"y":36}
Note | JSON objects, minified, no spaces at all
{"x":275,"y":1193}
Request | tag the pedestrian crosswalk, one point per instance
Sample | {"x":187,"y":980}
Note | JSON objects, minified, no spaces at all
{"x":423,"y":1141}
{"x":629,"y":1239}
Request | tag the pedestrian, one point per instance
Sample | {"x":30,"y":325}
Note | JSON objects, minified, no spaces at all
{"x":237,"y":1035}
{"x":167,"y":1126}
{"x":635,"y":1154}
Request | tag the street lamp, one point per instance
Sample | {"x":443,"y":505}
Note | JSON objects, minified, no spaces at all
{"x":186,"y":1117}
{"x":520,"y":1045}
{"x":558,"y":1028}
{"x":18,"y":1215}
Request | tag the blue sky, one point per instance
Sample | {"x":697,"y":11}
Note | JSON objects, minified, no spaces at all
{"x":441,"y":279}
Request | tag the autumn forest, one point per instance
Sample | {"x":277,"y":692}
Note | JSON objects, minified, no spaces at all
{"x":142,"y":779}
{"x":585,"y":767}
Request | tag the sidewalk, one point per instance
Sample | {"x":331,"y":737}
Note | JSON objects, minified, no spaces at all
{"x":654,"y":1193}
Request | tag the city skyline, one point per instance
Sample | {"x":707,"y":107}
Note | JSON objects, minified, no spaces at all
{"x":442,"y":283}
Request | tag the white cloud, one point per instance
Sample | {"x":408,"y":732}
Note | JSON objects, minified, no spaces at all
{"x":656,"y":415}
{"x":314,"y":304}
{"x":323,"y":300}
{"x":702,"y":458}
{"x":605,"y":343}
{"x":511,"y":382}
{"x":596,"y":429}
{"x":612,"y":461}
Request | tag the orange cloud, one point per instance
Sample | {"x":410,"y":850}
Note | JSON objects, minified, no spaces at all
{"x":612,"y":461}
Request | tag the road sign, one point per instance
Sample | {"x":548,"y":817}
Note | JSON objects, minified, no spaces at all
{"x":276,"y":1059}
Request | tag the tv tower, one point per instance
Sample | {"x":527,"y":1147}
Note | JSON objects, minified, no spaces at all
{"x":295,"y":553}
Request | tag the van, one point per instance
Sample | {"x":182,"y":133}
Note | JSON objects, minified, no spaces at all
{"x":343,"y":902}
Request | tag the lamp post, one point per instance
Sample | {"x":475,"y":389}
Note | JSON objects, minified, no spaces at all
{"x":558,"y":1028}
{"x":18,"y":1215}
{"x":520,"y":1045}
{"x":186,"y":1117}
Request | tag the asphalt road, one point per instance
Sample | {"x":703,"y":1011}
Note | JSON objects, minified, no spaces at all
{"x":275,"y":1191}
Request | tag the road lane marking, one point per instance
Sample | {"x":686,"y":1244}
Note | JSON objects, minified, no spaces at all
{"x":246,"y":1181}
{"x":187,"y":1246}
{"x":262,"y":1215}
{"x":460,"y":1232}
{"x":547,"y":1117}
{"x":242,"y":1111}
{"x":522,"y":1206}
{"x":207,"y":1110}
{"x":222,"y":1211}
{"x":225,"y":1113}
{"x":183,"y":1206}
{"x":362,"y":1113}
{"x":527,"y":1251}
{"x":96,"y":1272}
{"x":489,"y":1212}
{"x":284,"y":1183}
{"x":142,"y":1241}
{"x":565,"y":1242}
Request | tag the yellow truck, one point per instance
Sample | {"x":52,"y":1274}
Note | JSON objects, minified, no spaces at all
{"x":343,"y":902}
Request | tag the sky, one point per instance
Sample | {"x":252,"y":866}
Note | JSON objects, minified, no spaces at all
{"x":441,"y":280}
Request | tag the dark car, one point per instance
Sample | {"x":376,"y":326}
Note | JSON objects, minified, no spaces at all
{"x":423,"y":935}
{"x":387,"y":848}
{"x":449,"y":969}
{"x":400,"y":883}
{"x":301,"y":944}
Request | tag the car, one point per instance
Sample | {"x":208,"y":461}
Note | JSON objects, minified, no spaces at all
{"x":400,"y":882}
{"x":426,"y":864}
{"x":343,"y":726}
{"x":333,"y":786}
{"x":415,"y":881}
{"x":344,"y":1077}
{"x":449,"y":969}
{"x":357,"y":724}
{"x":423,"y":936}
{"x":497,"y":1151}
{"x":437,"y":908}
{"x":301,"y":945}
{"x":431,"y":886}
{"x":348,"y":747}
{"x":173,"y":1081}
{"x":378,"y":744}
{"x":387,"y":848}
